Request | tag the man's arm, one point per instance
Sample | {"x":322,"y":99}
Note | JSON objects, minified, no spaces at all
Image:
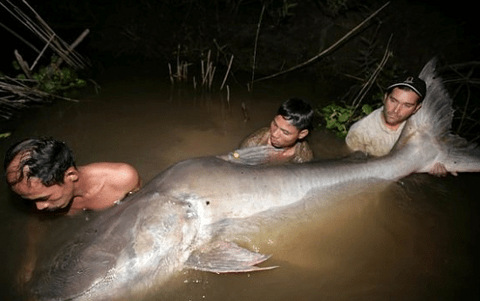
{"x":355,"y":141}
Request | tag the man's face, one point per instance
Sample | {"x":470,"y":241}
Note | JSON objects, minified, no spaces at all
{"x":399,"y":105}
{"x":283,"y":133}
{"x":49,"y":198}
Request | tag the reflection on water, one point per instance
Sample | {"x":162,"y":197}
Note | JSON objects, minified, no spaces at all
{"x":416,"y":239}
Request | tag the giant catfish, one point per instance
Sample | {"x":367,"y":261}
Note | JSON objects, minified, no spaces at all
{"x":171,"y":224}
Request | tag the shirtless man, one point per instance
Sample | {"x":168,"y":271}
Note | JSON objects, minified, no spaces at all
{"x":287,"y":133}
{"x":44,"y":172}
{"x":377,"y":133}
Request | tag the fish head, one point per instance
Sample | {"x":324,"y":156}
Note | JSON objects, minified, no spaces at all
{"x":122,"y":252}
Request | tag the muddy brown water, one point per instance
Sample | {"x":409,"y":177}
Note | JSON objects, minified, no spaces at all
{"x":416,"y":239}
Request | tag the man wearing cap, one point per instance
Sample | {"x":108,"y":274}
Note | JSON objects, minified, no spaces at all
{"x":377,"y":133}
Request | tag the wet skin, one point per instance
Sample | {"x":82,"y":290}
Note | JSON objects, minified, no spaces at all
{"x":283,"y":134}
{"x":48,"y":198}
{"x":399,"y":105}
{"x":54,"y":197}
{"x":94,"y":186}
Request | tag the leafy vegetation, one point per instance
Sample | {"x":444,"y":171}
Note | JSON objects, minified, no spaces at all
{"x":5,"y":135}
{"x":51,"y":75}
{"x":338,"y":118}
{"x":234,"y":38}
{"x":52,"y":79}
{"x":461,"y":81}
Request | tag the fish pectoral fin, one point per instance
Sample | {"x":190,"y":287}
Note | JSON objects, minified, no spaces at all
{"x":227,"y":257}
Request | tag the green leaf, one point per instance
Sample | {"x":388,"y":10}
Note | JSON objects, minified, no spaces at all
{"x":367,"y":109}
{"x":344,"y":117}
{"x":5,"y":135}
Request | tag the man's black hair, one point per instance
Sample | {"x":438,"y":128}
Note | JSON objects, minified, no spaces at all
{"x":298,"y":112}
{"x":47,"y":159}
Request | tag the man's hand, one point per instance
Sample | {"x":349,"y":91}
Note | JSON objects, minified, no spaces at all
{"x":439,"y":170}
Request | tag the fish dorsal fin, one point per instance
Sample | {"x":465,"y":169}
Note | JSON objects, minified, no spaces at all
{"x":226,"y":257}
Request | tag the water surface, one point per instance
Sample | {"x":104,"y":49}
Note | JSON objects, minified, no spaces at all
{"x":411,"y":240}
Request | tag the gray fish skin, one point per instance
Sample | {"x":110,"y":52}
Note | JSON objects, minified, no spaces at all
{"x":172,"y":223}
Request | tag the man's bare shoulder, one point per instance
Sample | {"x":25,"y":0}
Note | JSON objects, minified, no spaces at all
{"x":108,"y":167}
{"x":257,"y":138}
{"x":117,"y":174}
{"x":303,"y":153}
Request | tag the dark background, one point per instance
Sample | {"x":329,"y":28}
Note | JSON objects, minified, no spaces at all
{"x":140,"y":37}
{"x":134,"y":31}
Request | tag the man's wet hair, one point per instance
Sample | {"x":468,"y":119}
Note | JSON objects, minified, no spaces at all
{"x":47,"y":159}
{"x":298,"y":112}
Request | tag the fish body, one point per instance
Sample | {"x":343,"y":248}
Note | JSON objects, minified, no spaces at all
{"x":173,"y":222}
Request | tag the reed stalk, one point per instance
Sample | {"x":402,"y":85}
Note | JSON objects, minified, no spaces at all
{"x":228,"y":95}
{"x":41,"y":29}
{"x":19,"y":94}
{"x":41,"y":53}
{"x":16,"y":93}
{"x":170,"y":74}
{"x":207,"y":71}
{"x":19,"y":37}
{"x":181,"y":70}
{"x":226,"y":73}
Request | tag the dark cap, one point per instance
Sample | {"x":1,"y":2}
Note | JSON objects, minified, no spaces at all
{"x":414,"y":83}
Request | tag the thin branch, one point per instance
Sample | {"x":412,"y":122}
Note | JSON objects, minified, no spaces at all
{"x":23,"y":64}
{"x":255,"y":46}
{"x":41,"y":29}
{"x":19,"y":37}
{"x":329,"y":49}
{"x":41,"y":53}
{"x":74,"y":44}
{"x":386,"y":55}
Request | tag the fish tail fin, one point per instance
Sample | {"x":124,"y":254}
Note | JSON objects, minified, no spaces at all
{"x":436,"y":113}
{"x":434,"y":122}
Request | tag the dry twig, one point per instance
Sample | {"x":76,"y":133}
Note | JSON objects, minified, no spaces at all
{"x":328,"y":50}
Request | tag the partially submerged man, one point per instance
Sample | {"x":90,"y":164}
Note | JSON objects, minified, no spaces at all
{"x":287,"y":133}
{"x":377,"y":133}
{"x":44,"y":172}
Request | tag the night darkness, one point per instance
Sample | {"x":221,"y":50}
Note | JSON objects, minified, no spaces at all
{"x":137,"y":33}
{"x":136,"y":38}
